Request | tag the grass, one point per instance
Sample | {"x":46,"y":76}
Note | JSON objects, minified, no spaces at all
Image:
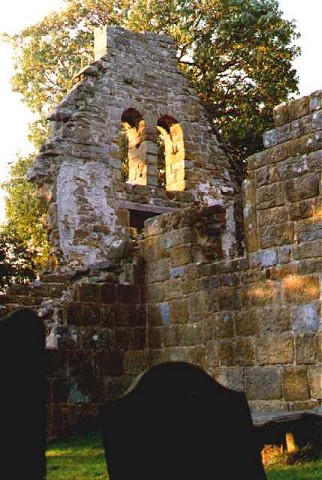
{"x":82,"y":458}
{"x":78,"y":458}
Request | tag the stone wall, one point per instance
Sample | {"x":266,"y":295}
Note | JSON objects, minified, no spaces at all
{"x":129,"y":98}
{"x":250,"y":314}
{"x":254,"y":322}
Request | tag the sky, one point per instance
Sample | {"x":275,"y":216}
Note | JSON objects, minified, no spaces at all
{"x":18,"y":14}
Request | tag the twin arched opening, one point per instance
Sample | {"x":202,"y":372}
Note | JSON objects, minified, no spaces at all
{"x":152,"y":156}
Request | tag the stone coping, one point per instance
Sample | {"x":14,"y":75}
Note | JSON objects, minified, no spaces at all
{"x":261,"y":419}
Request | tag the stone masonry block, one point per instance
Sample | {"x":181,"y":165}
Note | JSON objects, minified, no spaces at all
{"x":158,"y":271}
{"x":228,"y":298}
{"x":308,"y":230}
{"x":270,"y":196}
{"x":247,"y":322}
{"x":272,"y":216}
{"x":301,"y":210}
{"x":273,"y":320}
{"x":275,"y":349}
{"x":109,"y":363}
{"x":308,"y":250}
{"x":315,"y":381}
{"x":306,"y":317}
{"x":302,"y":187}
{"x":276,"y":235}
{"x":263,"y":383}
{"x":305,"y":348}
{"x":181,"y":255}
{"x":244,"y":351}
{"x":305,"y":289}
{"x":223,"y":325}
{"x":80,"y":364}
{"x":295,"y":384}
{"x":303,"y":145}
{"x":316,"y":100}
{"x":179,"y":311}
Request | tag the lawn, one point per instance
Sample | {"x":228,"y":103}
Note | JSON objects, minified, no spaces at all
{"x":82,"y":458}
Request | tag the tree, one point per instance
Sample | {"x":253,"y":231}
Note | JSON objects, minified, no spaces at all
{"x":237,"y":54}
{"x":16,"y":262}
{"x":25,"y":213}
{"x":230,"y":50}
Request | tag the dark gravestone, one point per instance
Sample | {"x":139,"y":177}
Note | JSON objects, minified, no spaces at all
{"x":22,"y":396}
{"x":177,"y":423}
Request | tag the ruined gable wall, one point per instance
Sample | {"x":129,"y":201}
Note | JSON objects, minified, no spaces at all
{"x":254,"y":322}
{"x":78,"y":169}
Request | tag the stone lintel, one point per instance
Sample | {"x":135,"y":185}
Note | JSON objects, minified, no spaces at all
{"x":145,"y":207}
{"x":261,"y":419}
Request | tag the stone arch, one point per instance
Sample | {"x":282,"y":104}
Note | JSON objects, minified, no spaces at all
{"x":171,"y":154}
{"x":133,"y":151}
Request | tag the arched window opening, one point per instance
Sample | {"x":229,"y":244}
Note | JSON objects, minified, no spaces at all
{"x":171,"y":154}
{"x":132,"y":149}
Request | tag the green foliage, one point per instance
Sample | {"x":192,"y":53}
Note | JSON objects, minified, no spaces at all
{"x":16,"y":262}
{"x":25,"y":213}
{"x":236,"y":53}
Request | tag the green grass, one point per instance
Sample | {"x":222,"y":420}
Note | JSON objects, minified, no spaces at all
{"x":303,"y":471}
{"x":82,"y":458}
{"x":78,"y":458}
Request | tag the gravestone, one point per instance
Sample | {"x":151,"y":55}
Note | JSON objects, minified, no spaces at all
{"x":175,"y":422}
{"x":22,"y":397}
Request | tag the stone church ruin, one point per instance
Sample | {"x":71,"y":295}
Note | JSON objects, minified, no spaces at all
{"x":158,"y":254}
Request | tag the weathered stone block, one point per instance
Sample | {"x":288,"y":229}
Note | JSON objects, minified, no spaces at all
{"x":247,"y":323}
{"x":302,"y":187}
{"x":80,"y":364}
{"x":272,"y":216}
{"x":263,"y":383}
{"x":56,"y":363}
{"x":305,"y":348}
{"x":135,"y":362}
{"x":308,"y":230}
{"x":275,"y":349}
{"x":274,"y":235}
{"x":308,"y":266}
{"x":228,"y":298}
{"x":196,"y":355}
{"x":314,"y":374}
{"x":280,"y":272}
{"x":95,"y":338}
{"x":87,"y":292}
{"x":270,"y":196}
{"x":299,"y":289}
{"x":223,"y":325}
{"x":124,"y":339}
{"x":109,"y":363}
{"x":301,"y":210}
{"x":306,"y":144}
{"x":295,"y":384}
{"x":272,"y":320}
{"x":158,"y":271}
{"x":155,"y":337}
{"x":229,"y":377}
{"x":262,"y":294}
{"x":181,"y":255}
{"x":179,"y":311}
{"x":128,"y":294}
{"x":308,"y":250}
{"x":154,"y":293}
{"x":306,"y":318}
{"x":244,"y":351}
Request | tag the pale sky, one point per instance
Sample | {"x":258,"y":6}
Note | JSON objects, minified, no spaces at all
{"x":18,"y":14}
